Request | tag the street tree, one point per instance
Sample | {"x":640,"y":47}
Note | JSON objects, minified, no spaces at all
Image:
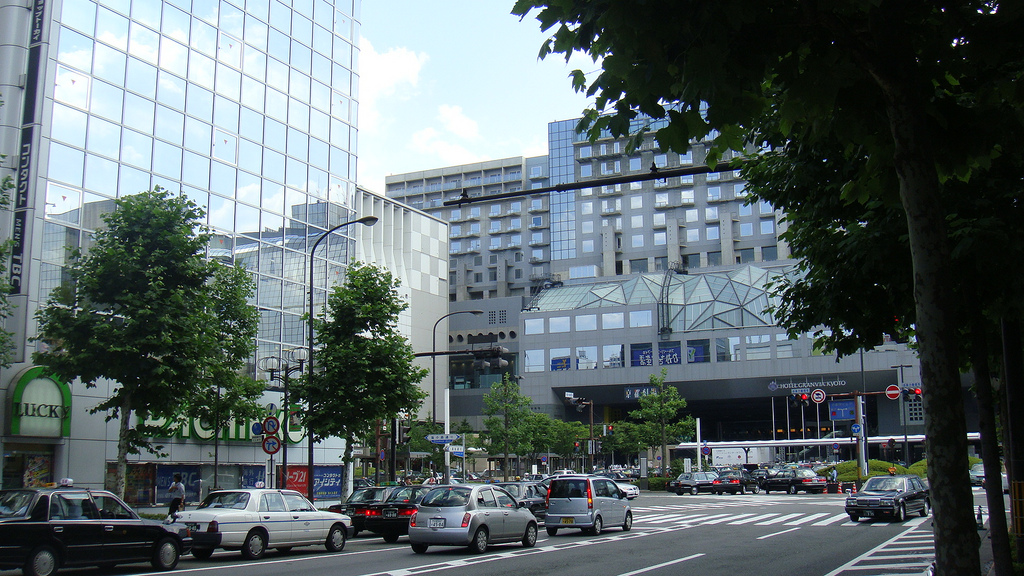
{"x":507,"y":413}
{"x":418,"y":442}
{"x":564,"y":439}
{"x":537,"y":436}
{"x":629,"y":438}
{"x":366,"y":370}
{"x":148,"y":312}
{"x":895,"y":79}
{"x":660,"y":419}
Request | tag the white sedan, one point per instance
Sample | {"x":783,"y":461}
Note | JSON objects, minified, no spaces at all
{"x":631,"y":490}
{"x":252,"y":520}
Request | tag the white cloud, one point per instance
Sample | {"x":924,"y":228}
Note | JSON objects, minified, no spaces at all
{"x":456,"y":122}
{"x":429,"y":143}
{"x":393,"y":74}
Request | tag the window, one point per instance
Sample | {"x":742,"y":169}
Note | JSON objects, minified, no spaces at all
{"x":639,"y":318}
{"x":558,"y":324}
{"x":537,"y":221}
{"x":745,"y":255}
{"x":456,"y":214}
{"x":636,"y":202}
{"x":661,"y":160}
{"x":711,"y":214}
{"x":560,"y":359}
{"x":687,"y":196}
{"x":495,"y":210}
{"x":714,"y":193}
{"x":638,"y":266}
{"x":586,"y":171}
{"x":587,"y":227}
{"x":660,"y":238}
{"x":612,"y":320}
{"x":669,"y":353}
{"x":659,"y":219}
{"x":586,"y":357}
{"x":746,"y":229}
{"x":495,"y":243}
{"x":692,"y":215}
{"x":587,"y":246}
{"x":635,"y":164}
{"x":534,"y":360}
{"x":698,"y":351}
{"x":533,"y":326}
{"x":714,"y":258}
{"x":661,"y":199}
{"x":586,"y":152}
{"x":637,"y":241}
{"x":586,"y":322}
{"x":728,"y":349}
{"x":641,"y":354}
{"x":587,"y":208}
{"x":495,"y":226}
{"x":746,"y":209}
{"x":769,"y":253}
{"x":693,"y":234}
{"x":611,"y":355}
{"x":637,"y":221}
{"x":767,"y":226}
{"x":712,"y":232}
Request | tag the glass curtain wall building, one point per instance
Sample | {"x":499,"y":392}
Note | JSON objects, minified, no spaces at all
{"x":247,"y":107}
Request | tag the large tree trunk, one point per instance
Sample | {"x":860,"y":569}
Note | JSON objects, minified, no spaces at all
{"x":1013,"y":367}
{"x":956,"y":536}
{"x":980,"y":350}
{"x":124,"y":430}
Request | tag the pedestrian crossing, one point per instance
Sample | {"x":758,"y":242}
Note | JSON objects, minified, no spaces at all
{"x":662,"y":516}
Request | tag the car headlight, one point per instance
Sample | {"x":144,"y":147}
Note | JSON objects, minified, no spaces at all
{"x":851,"y":501}
{"x":887,"y":501}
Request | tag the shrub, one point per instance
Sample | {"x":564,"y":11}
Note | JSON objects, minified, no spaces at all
{"x":656,"y":483}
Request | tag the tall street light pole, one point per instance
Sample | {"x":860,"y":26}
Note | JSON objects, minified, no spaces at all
{"x":433,"y":394}
{"x":281,"y":370}
{"x":365,"y":220}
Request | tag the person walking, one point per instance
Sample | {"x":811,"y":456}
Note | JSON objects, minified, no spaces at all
{"x":177,"y":494}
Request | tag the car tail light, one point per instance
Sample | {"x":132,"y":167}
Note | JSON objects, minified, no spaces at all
{"x":547,"y":498}
{"x":407,"y":512}
{"x":590,"y":497}
{"x":716,"y":481}
{"x":412,"y":520}
{"x":371,"y":512}
{"x":465,"y":520}
{"x":212,"y":526}
{"x":734,"y":481}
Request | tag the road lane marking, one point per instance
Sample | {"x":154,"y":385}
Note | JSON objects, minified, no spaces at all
{"x":766,"y":536}
{"x":662,"y":565}
{"x":806,"y":519}
{"x":831,"y":520}
{"x":782,"y":518}
{"x":755,"y":518}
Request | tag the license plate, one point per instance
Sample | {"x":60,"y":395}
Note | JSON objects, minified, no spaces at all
{"x":435,"y":523}
{"x":568,"y":520}
{"x":193,"y":526}
{"x":391,"y":513}
{"x":868,"y":513}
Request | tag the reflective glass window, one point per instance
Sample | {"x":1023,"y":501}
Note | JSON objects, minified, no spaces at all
{"x":341,"y":78}
{"x":138,"y":113}
{"x":68,"y":125}
{"x":295,"y":175}
{"x":71,"y":87}
{"x":321,"y":68}
{"x":611,"y":320}
{"x":222,"y":213}
{"x":273,"y":198}
{"x":176,"y":24}
{"x":174,"y":57}
{"x":201,"y":70}
{"x":66,"y":164}
{"x":275,"y":134}
{"x":100,"y":174}
{"x":252,"y":93}
{"x":258,"y":7}
{"x":62,"y":204}
{"x":141,"y":78}
{"x":319,"y":153}
{"x":207,"y":10}
{"x":298,"y":144}
{"x":302,"y":29}
{"x":170,"y":90}
{"x":147,"y":12}
{"x":136,"y":149}
{"x":225,"y":114}
{"x":273,"y":165}
{"x":277,"y":105}
{"x":280,"y":16}
{"x":112,"y":28}
{"x":231,"y":20}
{"x":277,"y":74}
{"x":74,"y":50}
{"x":229,"y":50}
{"x":255,"y":63}
{"x":196,"y":170}
{"x":298,"y":85}
{"x":342,"y":25}
{"x":612,"y":355}
{"x":143,"y":43}
{"x":250,"y":156}
{"x":170,"y":125}
{"x":132,"y":181}
{"x":320,"y":96}
{"x":319,"y":125}
{"x":250,"y":125}
{"x":198,"y":135}
{"x":278,"y":45}
{"x":204,"y":37}
{"x":199,"y":103}
{"x":255,"y":32}
{"x":222,"y":179}
{"x":301,"y":57}
{"x":109,"y":64}
{"x":167,"y":160}
{"x":103,"y":137}
{"x":247,"y":188}
{"x":322,"y":40}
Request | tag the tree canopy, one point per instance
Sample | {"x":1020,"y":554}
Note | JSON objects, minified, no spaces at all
{"x":508,"y":419}
{"x":148,"y":311}
{"x":888,"y":82}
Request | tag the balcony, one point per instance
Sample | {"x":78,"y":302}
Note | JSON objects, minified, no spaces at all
{"x":538,"y":209}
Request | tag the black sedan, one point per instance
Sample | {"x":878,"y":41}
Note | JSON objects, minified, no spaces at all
{"x":357,"y":502}
{"x":795,"y":480}
{"x":44,"y":529}
{"x":692,"y":482}
{"x":734,"y":482}
{"x":890,"y":496}
{"x":390,"y":518}
{"x":533,"y":493}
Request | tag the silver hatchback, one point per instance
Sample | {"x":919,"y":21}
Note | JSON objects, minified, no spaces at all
{"x":588,"y":503}
{"x":470,"y":515}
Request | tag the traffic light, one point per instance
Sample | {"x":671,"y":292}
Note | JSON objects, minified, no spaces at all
{"x":793,"y":400}
{"x":576,"y":447}
{"x":490,"y":358}
{"x":805,"y":399}
{"x":609,"y":430}
{"x":912,"y":393}
{"x":403,"y":434}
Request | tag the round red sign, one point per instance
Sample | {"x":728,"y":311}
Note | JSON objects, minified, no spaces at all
{"x":892,"y":392}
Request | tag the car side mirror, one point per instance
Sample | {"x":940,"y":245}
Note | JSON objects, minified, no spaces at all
{"x":622,"y":494}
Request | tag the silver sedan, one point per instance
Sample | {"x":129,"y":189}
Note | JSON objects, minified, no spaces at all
{"x":470,"y":515}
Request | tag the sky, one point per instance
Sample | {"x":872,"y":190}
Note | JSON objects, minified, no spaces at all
{"x":455,"y":82}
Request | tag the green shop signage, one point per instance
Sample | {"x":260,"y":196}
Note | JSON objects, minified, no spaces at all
{"x":40,"y":405}
{"x":234,"y":430}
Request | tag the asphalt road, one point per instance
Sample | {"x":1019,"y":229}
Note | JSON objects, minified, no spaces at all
{"x":776,"y":534}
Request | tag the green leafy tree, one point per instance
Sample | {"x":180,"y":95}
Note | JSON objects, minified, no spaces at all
{"x":366,"y":369}
{"x":508,"y":414}
{"x":537,"y":431}
{"x":887,"y":81}
{"x":418,"y":442}
{"x":564,"y":436}
{"x":629,"y":438}
{"x":660,"y":417}
{"x":146,"y":310}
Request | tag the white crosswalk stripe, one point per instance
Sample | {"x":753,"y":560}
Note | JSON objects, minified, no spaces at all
{"x":815,"y":519}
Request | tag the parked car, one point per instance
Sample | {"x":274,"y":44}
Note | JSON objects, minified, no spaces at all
{"x":588,"y":503}
{"x":390,"y":518}
{"x":534,"y":477}
{"x":692,"y":482}
{"x":793,"y":480}
{"x":614,"y":475}
{"x":354,"y":506}
{"x":254,"y":519}
{"x":892,"y":496}
{"x":533,"y":493}
{"x":470,"y":515}
{"x":631,"y":490}
{"x":977,"y":474}
{"x":760,"y":474}
{"x":734,"y":482}
{"x":44,"y":529}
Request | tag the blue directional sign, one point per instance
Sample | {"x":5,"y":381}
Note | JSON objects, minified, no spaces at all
{"x":855,"y":428}
{"x":841,"y":409}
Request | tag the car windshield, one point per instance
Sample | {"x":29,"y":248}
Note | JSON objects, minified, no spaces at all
{"x":450,"y":496}
{"x":883,"y":484}
{"x":407,"y":494}
{"x":367,"y":495}
{"x":236,"y":500}
{"x":729,"y":474}
{"x":14,"y":503}
{"x":805,"y":473}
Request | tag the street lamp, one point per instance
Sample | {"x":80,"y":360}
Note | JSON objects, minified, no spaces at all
{"x":281,"y":369}
{"x":433,"y":393}
{"x":365,"y":220}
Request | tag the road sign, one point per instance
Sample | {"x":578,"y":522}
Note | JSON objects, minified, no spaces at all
{"x":818,"y":395}
{"x":891,"y":443}
{"x":442,"y":438}
{"x":271,"y":425}
{"x":455,"y":448}
{"x":381,"y":455}
{"x":835,"y":445}
{"x":800,"y":391}
{"x":892,"y":392}
{"x":271,"y":444}
{"x":543,"y":458}
{"x":705,"y":450}
{"x":257,"y":428}
{"x":855,"y":428}
{"x":841,"y":410}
